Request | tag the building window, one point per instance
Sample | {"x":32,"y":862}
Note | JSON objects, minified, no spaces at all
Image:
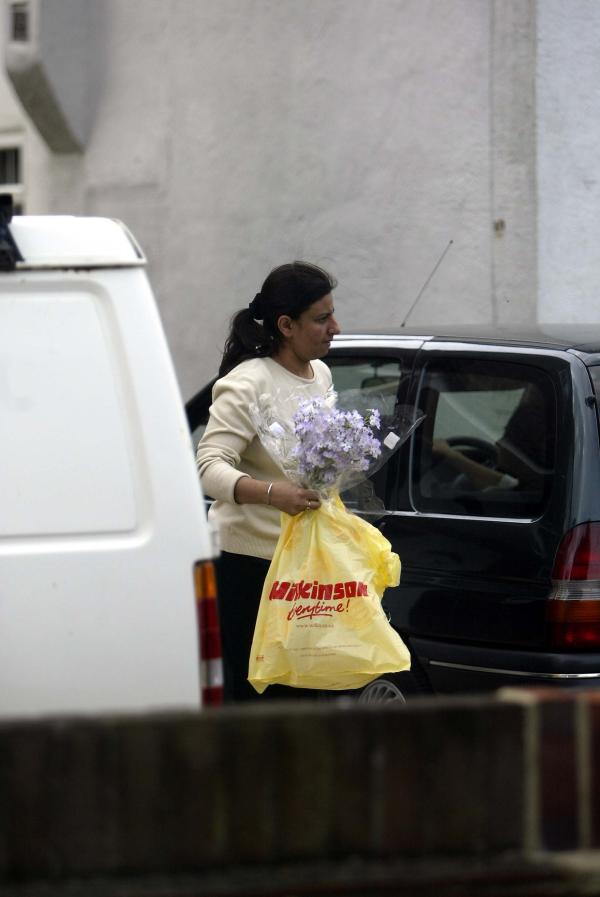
{"x":11,"y":176}
{"x":10,"y":165}
{"x":19,"y":22}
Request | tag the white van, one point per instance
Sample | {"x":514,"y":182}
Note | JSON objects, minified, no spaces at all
{"x":106,"y":582}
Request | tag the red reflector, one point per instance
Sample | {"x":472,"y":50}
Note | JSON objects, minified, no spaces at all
{"x":209,"y":634}
{"x":574,"y":635}
{"x":574,"y":622}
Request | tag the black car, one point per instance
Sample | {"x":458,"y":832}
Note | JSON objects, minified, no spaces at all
{"x":493,"y":504}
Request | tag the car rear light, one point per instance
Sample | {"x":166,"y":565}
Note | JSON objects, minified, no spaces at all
{"x":573,"y":611}
{"x":209,"y":634}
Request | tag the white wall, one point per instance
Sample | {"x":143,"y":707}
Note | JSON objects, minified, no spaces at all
{"x":233,"y":135}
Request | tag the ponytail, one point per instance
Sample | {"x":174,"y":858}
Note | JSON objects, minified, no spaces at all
{"x":247,"y":339}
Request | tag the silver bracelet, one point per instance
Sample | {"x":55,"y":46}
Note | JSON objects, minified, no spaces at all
{"x":269,"y":487}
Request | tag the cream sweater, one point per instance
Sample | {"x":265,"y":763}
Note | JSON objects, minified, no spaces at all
{"x":230,"y":449}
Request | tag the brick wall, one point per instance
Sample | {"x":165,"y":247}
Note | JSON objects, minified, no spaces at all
{"x":439,"y":797}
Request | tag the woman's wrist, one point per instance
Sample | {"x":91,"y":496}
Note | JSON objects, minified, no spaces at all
{"x":249,"y":491}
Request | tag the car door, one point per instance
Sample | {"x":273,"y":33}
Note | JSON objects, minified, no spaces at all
{"x":477,"y":556}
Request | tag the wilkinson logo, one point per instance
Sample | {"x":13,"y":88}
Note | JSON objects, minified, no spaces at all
{"x":317,"y":591}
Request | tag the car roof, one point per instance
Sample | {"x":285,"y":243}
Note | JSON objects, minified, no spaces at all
{"x":584,"y":338}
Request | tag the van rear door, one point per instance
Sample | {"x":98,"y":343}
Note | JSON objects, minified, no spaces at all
{"x":101,"y":513}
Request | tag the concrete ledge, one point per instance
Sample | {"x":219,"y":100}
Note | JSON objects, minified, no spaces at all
{"x":122,"y":805}
{"x":511,"y":875}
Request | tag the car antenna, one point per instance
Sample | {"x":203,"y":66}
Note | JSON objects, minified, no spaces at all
{"x":422,"y":290}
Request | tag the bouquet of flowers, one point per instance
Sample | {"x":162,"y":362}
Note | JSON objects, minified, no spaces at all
{"x":328,"y":447}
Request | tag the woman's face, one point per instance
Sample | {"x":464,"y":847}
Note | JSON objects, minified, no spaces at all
{"x":310,"y":335}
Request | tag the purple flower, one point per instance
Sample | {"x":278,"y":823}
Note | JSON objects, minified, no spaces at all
{"x":331,"y":443}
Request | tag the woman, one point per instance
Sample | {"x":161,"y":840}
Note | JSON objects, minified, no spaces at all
{"x":274,"y":347}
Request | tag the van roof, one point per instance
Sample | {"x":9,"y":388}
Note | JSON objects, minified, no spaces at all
{"x":68,"y":241}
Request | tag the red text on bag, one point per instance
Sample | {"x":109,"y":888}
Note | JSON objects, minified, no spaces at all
{"x":317,"y":591}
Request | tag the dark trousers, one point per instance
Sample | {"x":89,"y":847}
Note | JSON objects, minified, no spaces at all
{"x":240,"y":580}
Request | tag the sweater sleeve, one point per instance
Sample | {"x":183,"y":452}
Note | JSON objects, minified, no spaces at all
{"x":228,"y":433}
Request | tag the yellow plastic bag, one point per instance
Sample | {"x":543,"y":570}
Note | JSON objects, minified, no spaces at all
{"x":320,"y":622}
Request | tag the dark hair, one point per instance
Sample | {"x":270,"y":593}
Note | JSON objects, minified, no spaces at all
{"x":288,"y":290}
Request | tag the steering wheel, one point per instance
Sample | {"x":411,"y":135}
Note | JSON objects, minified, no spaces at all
{"x":486,"y":449}
{"x":442,"y":475}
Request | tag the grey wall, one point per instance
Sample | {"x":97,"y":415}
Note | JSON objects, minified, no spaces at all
{"x":568,"y":166}
{"x":232,"y":135}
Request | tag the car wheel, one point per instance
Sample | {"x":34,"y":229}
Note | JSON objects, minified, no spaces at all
{"x":396,"y":687}
{"x":382,"y":691}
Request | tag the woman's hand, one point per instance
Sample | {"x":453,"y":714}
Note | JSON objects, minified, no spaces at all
{"x":283,"y":495}
{"x":294,"y":499}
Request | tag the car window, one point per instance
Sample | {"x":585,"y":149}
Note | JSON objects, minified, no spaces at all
{"x":371,"y":382}
{"x":487,"y":445}
{"x":364,"y":382}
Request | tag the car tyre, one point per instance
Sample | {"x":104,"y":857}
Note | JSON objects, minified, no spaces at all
{"x":396,"y":688}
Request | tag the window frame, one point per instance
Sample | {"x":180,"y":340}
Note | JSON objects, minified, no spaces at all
{"x":482,"y":506}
